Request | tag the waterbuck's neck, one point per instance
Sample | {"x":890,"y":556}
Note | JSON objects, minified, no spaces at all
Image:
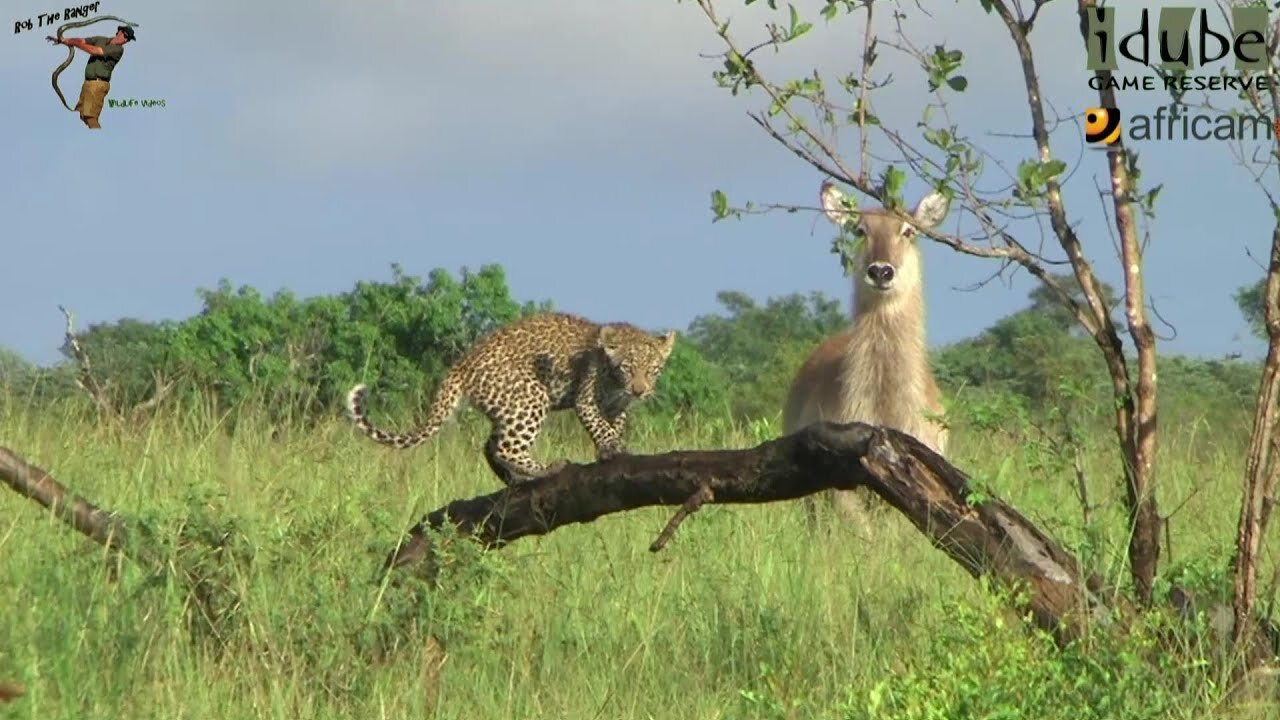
{"x":886,"y":367}
{"x":893,"y":327}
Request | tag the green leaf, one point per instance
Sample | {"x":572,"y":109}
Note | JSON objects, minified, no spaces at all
{"x":940,"y":138}
{"x":892,"y":181}
{"x":1148,"y":201}
{"x":1150,"y":198}
{"x":945,"y":190}
{"x":1026,"y":172}
{"x":1032,"y":177}
{"x":958,"y":83}
{"x":719,"y":205}
{"x":1005,"y":470}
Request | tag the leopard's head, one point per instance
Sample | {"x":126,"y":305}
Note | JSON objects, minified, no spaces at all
{"x":636,"y":357}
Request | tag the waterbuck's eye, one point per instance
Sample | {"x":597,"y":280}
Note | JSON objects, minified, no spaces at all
{"x":908,"y":232}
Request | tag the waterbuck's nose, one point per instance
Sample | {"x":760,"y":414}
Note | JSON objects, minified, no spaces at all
{"x":880,"y":273}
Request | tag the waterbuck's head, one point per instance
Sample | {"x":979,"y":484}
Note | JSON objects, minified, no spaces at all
{"x":888,"y":259}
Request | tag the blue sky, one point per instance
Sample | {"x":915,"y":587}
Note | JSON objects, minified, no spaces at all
{"x":309,"y":145}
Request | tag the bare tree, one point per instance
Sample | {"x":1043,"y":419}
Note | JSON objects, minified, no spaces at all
{"x":98,"y":389}
{"x":1262,"y":467}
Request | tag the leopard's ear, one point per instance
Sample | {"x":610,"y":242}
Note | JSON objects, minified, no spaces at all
{"x":607,"y":339}
{"x":668,"y":342}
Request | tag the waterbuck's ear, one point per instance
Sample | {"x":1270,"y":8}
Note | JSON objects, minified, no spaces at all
{"x":931,"y":209}
{"x":835,"y":204}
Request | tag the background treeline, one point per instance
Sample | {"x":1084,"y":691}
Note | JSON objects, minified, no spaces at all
{"x":295,"y":358}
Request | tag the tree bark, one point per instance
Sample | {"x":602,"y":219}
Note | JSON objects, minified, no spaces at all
{"x":984,"y":535}
{"x":102,"y":527}
{"x":1260,"y":466}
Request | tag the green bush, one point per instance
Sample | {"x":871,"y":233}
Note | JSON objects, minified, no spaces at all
{"x":689,"y":383}
{"x":984,"y":664}
{"x":296,"y":358}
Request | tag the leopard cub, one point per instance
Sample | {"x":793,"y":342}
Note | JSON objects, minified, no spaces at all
{"x":523,"y":371}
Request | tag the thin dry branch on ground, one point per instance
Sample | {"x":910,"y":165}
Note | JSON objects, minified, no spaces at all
{"x":10,"y":691}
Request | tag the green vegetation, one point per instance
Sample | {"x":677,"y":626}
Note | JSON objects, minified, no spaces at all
{"x":1250,"y":300}
{"x":220,"y":440}
{"x":745,"y":615}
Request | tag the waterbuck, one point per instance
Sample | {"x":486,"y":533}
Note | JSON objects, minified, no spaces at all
{"x":877,"y":370}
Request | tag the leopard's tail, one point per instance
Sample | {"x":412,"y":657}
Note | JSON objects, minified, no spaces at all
{"x":447,"y":398}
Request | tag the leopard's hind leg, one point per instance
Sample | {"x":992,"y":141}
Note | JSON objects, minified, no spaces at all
{"x":517,"y":413}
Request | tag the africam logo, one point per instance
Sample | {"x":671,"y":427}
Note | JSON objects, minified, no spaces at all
{"x":1103,"y":127}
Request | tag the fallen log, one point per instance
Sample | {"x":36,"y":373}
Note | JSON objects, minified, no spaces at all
{"x":35,"y":483}
{"x":985,"y":536}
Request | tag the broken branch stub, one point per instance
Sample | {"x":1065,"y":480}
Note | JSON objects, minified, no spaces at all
{"x":695,"y":502}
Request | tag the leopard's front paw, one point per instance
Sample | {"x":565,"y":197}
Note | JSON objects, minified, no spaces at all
{"x":609,"y":452}
{"x":554,"y":467}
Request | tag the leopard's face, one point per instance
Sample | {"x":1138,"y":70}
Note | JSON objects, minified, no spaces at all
{"x":636,"y":358}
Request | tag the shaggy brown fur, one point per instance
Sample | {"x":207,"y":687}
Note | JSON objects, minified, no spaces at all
{"x":877,"y":371}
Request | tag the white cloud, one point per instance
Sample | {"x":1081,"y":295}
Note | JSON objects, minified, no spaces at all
{"x":342,"y":85}
{"x":334,"y":84}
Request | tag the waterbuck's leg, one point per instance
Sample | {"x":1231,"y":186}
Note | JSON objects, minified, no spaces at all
{"x":846,"y":505}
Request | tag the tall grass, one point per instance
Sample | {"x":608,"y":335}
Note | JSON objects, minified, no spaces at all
{"x":746,"y":614}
